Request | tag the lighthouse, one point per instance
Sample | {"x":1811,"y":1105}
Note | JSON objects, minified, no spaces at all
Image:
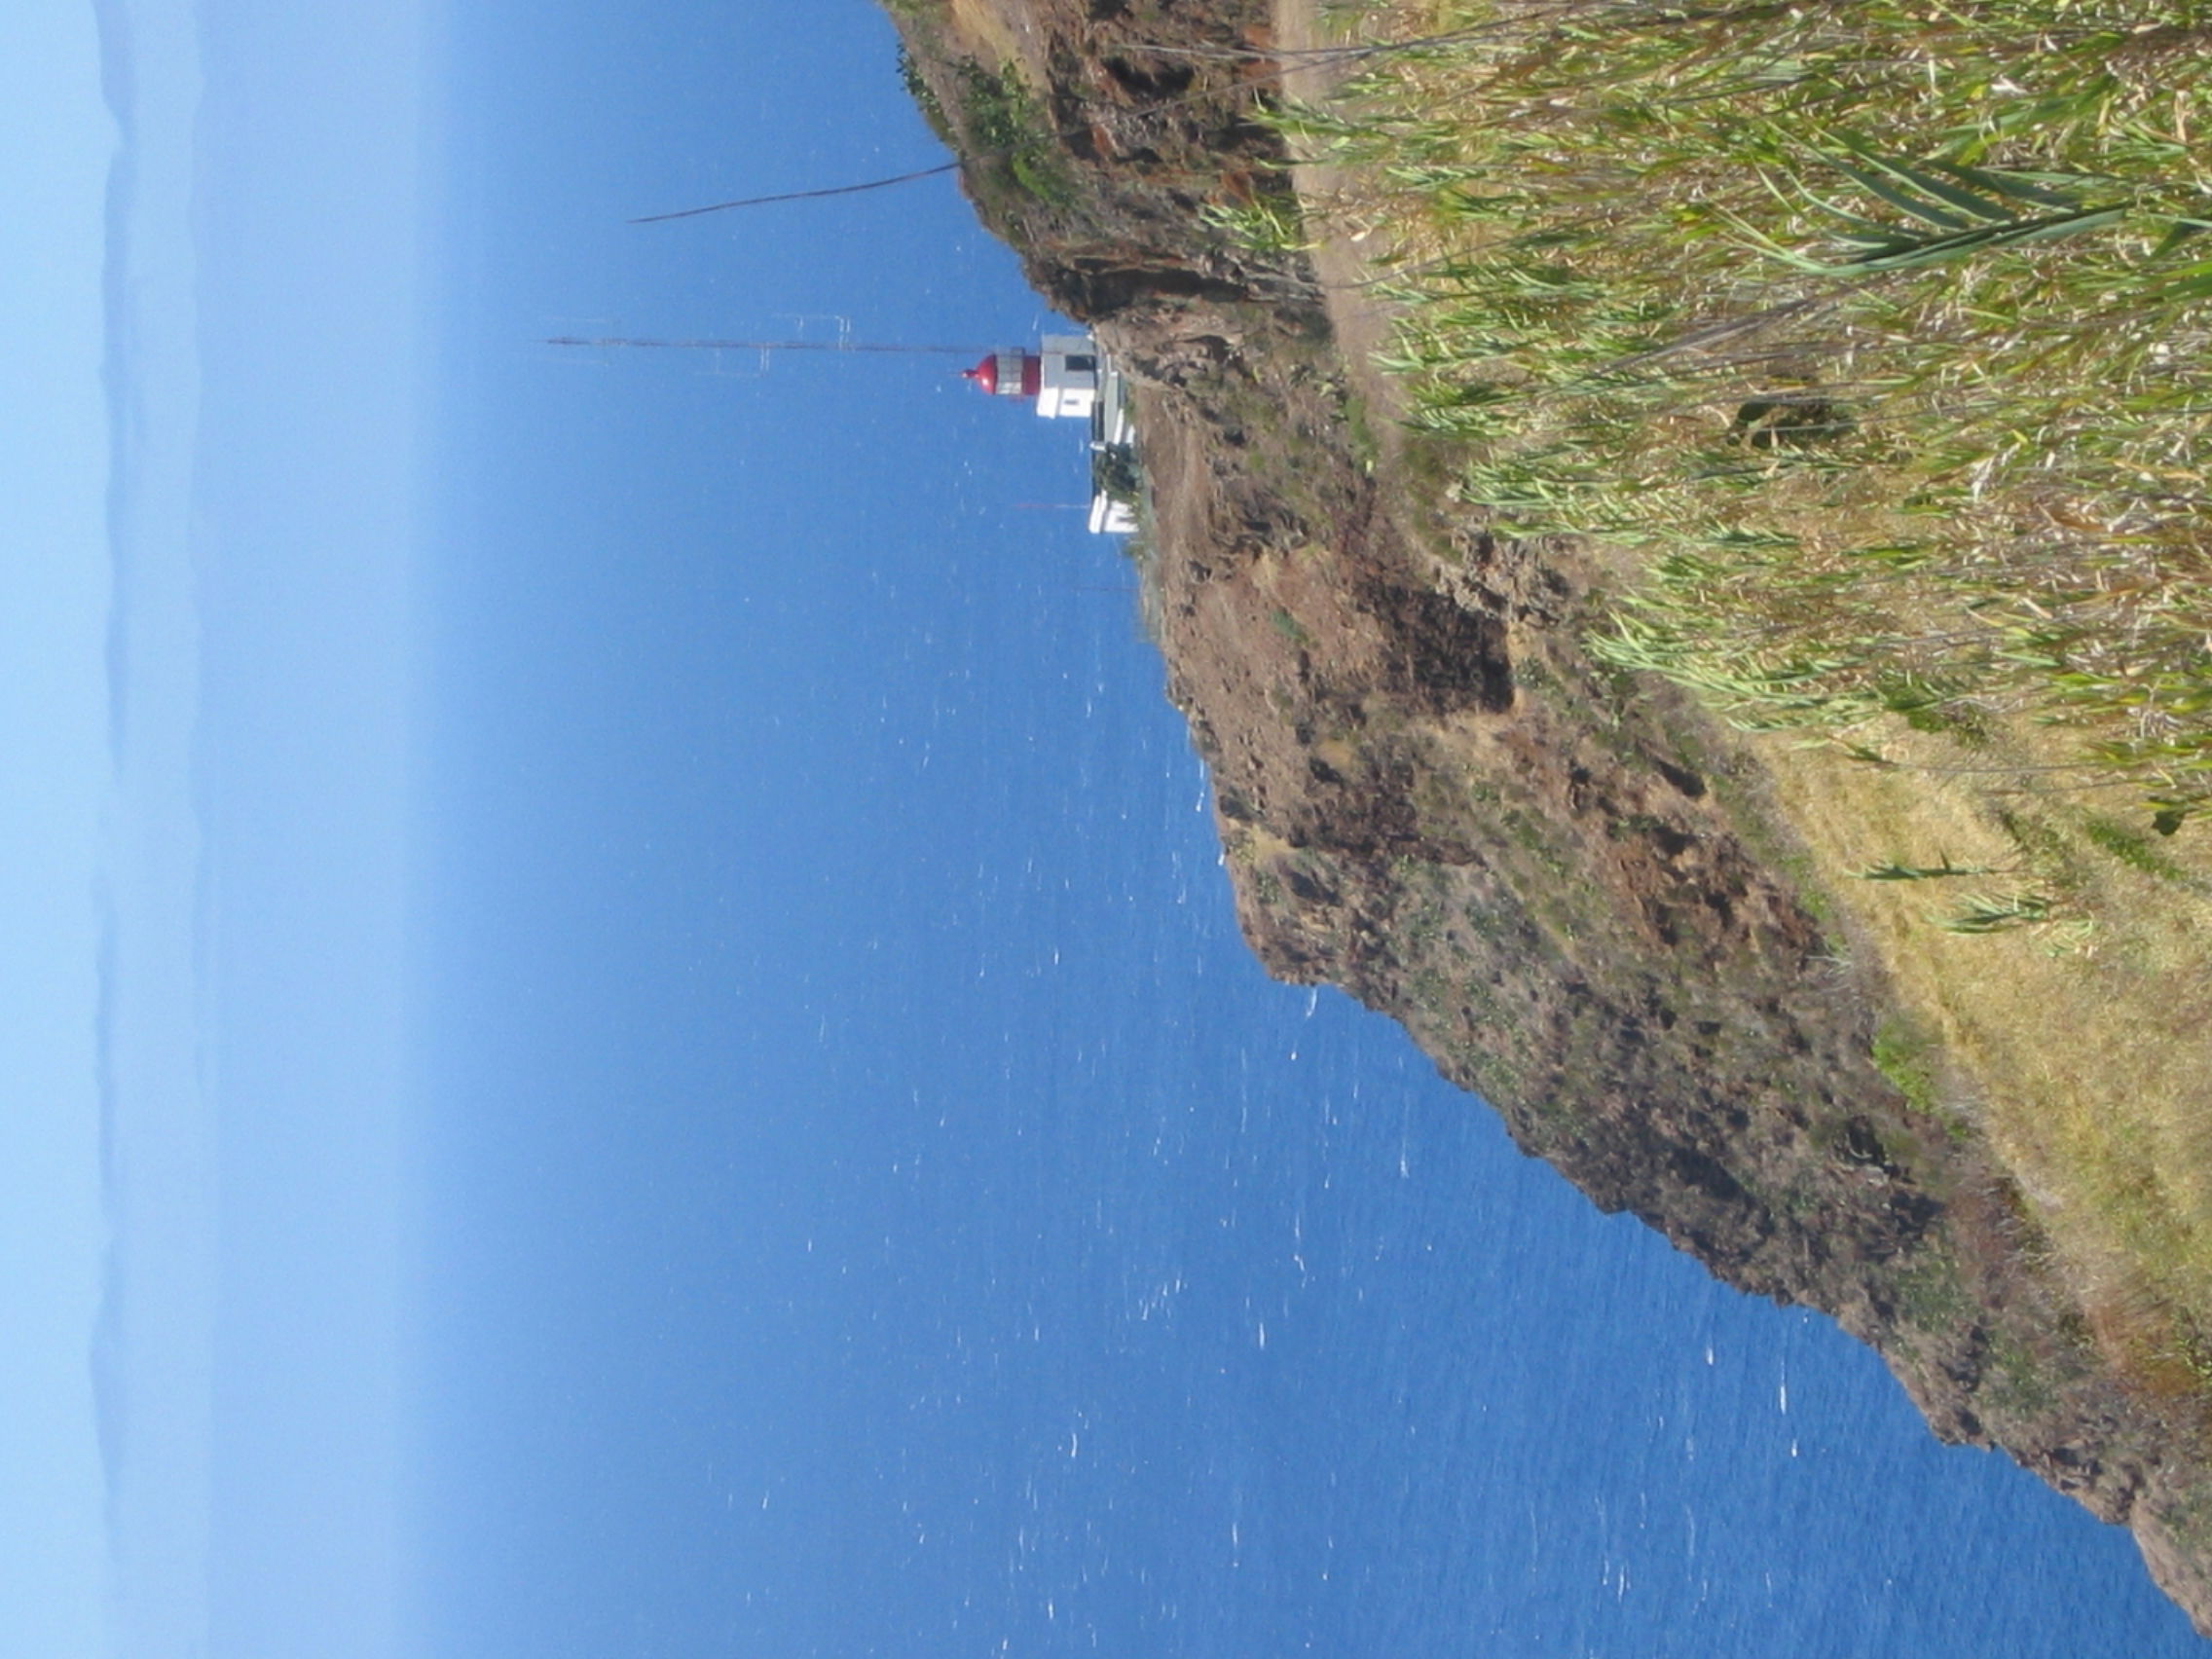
{"x":1067,"y":377}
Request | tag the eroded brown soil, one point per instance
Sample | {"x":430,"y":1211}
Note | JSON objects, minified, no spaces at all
{"x":1566,"y":883}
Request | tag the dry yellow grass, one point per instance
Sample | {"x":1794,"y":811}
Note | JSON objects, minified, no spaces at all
{"x":2082,"y":1045}
{"x":993,"y":35}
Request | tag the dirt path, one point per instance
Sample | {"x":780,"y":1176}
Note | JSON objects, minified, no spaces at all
{"x":1362,"y":321}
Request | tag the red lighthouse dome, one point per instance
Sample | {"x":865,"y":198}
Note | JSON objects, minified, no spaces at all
{"x":1009,"y":373}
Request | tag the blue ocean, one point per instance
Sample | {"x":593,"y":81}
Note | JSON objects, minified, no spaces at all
{"x":1272,"y":1343}
{"x":962,"y":1248}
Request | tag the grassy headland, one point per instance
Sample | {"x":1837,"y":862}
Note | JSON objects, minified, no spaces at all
{"x":1869,"y":342}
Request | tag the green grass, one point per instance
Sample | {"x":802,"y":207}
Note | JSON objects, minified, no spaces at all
{"x":1877,"y":334}
{"x":1907,"y":1059}
{"x":1008,"y":133}
{"x":2132,"y":849}
{"x":924,"y":95}
{"x":1270,"y":224}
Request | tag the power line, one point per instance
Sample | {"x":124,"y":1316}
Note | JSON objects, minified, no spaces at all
{"x":634,"y":342}
{"x":796,"y":195}
{"x":1283,"y":57}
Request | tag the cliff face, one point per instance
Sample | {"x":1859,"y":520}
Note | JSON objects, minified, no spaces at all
{"x":1565,"y":882}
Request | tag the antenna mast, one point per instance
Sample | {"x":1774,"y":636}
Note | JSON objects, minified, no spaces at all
{"x":632,"y":342}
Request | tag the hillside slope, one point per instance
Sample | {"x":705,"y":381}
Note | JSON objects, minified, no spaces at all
{"x":1572,"y":888}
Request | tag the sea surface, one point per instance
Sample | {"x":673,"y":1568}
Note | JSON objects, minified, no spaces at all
{"x":1273,"y":1343}
{"x":962,"y":1221}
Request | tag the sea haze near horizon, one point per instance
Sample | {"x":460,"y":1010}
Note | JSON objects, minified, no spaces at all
{"x":874,"y":1203}
{"x":261,"y":231}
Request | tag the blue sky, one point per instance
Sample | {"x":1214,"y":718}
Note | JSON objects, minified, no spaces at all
{"x":309,"y":229}
{"x":56,"y":143}
{"x":627,"y":1034}
{"x":256,"y":275}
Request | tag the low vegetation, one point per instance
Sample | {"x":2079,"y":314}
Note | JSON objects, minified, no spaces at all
{"x":1879,"y":331}
{"x":1008,"y":134}
{"x":1871,"y":342}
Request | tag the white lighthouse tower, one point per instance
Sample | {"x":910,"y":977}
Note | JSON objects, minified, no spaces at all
{"x":1067,"y":377}
{"x":1063,"y":376}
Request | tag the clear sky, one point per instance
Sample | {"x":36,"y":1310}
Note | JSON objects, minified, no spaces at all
{"x":308,"y":230}
{"x":625,"y":1036}
{"x":56,"y":143}
{"x":263,"y":262}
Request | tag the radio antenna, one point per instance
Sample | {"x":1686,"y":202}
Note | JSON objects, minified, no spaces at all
{"x":645,"y":342}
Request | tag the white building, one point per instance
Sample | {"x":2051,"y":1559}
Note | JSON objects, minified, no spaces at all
{"x":1070,"y":379}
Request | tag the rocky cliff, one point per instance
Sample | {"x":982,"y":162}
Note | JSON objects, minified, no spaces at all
{"x":1567,"y":883}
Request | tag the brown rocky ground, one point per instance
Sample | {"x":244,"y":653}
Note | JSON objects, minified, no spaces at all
{"x":1567,"y":884}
